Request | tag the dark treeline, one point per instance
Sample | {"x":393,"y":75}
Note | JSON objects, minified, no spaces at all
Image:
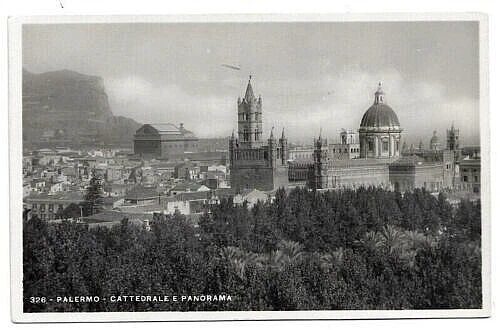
{"x":349,"y":249}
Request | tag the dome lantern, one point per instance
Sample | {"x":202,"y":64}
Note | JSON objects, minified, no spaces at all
{"x":379,"y":94}
{"x":379,"y":115}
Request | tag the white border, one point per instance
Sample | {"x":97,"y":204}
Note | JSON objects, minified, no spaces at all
{"x":15,"y":137}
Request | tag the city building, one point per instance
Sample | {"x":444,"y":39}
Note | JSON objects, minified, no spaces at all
{"x":187,"y":170}
{"x":140,"y":195}
{"x":300,"y":153}
{"x":348,"y":148}
{"x":186,"y":187}
{"x":48,"y":206}
{"x":254,"y":162}
{"x":164,"y":141}
{"x":470,"y":174}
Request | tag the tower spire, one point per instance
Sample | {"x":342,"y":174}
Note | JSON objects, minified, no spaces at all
{"x":283,"y":133}
{"x":249,"y":95}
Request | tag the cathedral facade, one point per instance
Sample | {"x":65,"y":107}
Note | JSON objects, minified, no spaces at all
{"x":255,"y":162}
{"x":381,"y":161}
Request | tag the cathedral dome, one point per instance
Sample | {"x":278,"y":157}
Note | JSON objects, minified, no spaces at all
{"x":379,"y":115}
{"x":434,"y":144}
{"x":434,"y":140}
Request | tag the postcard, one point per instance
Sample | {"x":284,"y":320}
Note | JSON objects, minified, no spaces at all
{"x":249,"y":167}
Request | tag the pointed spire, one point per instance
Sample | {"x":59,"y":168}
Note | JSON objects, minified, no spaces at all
{"x":249,"y":96}
{"x":232,"y":134}
{"x":283,"y":133}
{"x":271,"y":136}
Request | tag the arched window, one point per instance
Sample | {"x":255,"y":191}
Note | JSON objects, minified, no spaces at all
{"x":385,"y":146}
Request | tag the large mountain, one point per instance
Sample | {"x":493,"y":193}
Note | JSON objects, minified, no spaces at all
{"x":70,"y":108}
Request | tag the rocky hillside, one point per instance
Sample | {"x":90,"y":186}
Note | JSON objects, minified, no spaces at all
{"x":69,"y":108}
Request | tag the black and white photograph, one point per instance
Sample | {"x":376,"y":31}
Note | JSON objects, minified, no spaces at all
{"x":281,"y":167}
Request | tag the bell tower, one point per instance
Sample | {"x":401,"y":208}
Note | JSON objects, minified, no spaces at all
{"x":256,"y":162}
{"x":250,"y":119}
{"x":320,"y":163}
{"x":452,"y":138}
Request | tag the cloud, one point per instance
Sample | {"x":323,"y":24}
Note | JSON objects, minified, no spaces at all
{"x":129,"y":88}
{"x":339,"y":101}
{"x":205,"y":115}
{"x":301,"y":106}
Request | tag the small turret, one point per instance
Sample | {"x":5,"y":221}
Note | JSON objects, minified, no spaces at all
{"x":232,"y":147}
{"x":271,"y":149}
{"x":283,"y":147}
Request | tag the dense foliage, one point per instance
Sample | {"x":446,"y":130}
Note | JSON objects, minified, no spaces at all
{"x":349,"y":249}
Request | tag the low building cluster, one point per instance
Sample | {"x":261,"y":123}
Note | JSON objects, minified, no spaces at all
{"x":57,"y":179}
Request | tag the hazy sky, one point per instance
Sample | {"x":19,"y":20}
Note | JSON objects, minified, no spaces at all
{"x":310,"y":75}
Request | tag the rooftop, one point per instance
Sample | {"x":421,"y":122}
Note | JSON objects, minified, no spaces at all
{"x":165,"y":129}
{"x":72,"y":196}
{"x":187,"y":186}
{"x":141,"y":193}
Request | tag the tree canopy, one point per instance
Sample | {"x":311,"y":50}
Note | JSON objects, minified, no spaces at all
{"x":308,"y":250}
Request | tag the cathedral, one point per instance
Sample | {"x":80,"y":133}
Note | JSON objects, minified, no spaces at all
{"x":256,"y":163}
{"x":381,"y":161}
{"x":372,"y":156}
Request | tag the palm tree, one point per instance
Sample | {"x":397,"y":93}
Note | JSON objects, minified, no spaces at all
{"x":288,"y":252}
{"x":335,"y":258}
{"x":239,"y":259}
{"x":417,"y":241}
{"x":371,"y":241}
{"x":392,"y":239}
